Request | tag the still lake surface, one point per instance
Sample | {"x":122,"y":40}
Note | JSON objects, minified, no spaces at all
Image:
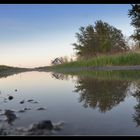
{"x":87,"y":105}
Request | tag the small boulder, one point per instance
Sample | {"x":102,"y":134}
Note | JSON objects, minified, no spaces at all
{"x":10,"y":97}
{"x":21,"y":111}
{"x":35,"y":102}
{"x":10,"y":116}
{"x":46,"y":124}
{"x":22,"y":102}
{"x":41,"y":108}
{"x":27,"y":108}
{"x":30,"y":100}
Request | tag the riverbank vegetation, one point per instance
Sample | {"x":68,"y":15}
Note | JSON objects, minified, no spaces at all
{"x":127,"y":59}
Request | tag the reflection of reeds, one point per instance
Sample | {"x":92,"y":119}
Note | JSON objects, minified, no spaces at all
{"x":101,"y":94}
{"x":108,"y":75}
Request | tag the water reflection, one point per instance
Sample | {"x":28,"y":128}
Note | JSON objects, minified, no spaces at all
{"x":5,"y":74}
{"x":100,"y":94}
{"x":61,"y":76}
{"x":136,"y":116}
{"x":105,"y":94}
{"x":23,"y":111}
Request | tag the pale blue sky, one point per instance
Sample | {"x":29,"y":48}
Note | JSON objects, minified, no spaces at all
{"x":33,"y":34}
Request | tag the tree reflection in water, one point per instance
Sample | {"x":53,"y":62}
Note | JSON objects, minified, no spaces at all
{"x":105,"y":94}
{"x":102,"y":94}
{"x":136,"y":116}
{"x":98,"y":93}
{"x":61,"y":76}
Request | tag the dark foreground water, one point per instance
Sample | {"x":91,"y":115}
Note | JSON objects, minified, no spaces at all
{"x":79,"y":105}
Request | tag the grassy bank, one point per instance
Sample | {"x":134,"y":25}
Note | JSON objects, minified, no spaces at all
{"x":127,"y":59}
{"x":4,"y":68}
{"x":7,"y":70}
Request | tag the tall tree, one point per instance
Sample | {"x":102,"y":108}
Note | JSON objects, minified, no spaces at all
{"x":101,"y":38}
{"x":134,"y":13}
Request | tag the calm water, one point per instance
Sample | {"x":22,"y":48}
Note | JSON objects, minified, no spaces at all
{"x":87,"y":105}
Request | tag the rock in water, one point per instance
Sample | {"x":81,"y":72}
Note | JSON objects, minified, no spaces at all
{"x":30,"y":100}
{"x":21,"y":111}
{"x":10,"y":97}
{"x":27,"y":108}
{"x":47,"y":124}
{"x":22,"y":102}
{"x":24,"y":110}
{"x":15,"y":90}
{"x":10,"y":116}
{"x":35,"y":102}
{"x":41,"y":108}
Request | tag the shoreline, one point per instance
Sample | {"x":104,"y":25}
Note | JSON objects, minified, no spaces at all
{"x":91,"y":68}
{"x":75,"y":69}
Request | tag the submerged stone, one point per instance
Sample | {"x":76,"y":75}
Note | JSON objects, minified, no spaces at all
{"x":27,"y":108}
{"x":24,"y":110}
{"x":10,"y":97}
{"x":45,"y":127}
{"x":41,"y":108}
{"x":35,"y":102}
{"x":46,"y":124}
{"x":22,"y":102}
{"x":30,"y":100}
{"x":21,"y":111}
{"x":10,"y":116}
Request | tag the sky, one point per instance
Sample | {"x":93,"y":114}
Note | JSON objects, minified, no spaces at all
{"x":32,"y":35}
